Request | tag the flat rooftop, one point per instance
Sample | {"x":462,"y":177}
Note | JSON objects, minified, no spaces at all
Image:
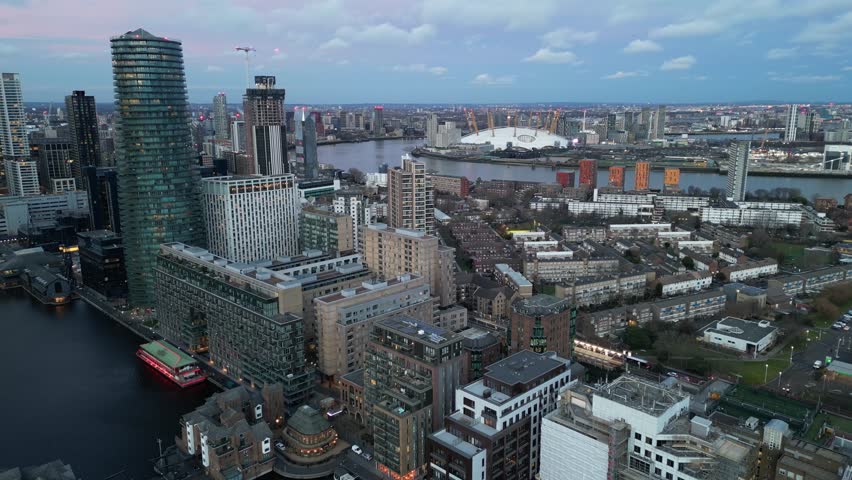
{"x":644,"y":395}
{"x":523,"y":367}
{"x":456,"y":444}
{"x":746,"y":330}
{"x":417,"y":330}
{"x":541,"y":304}
{"x":367,"y":287}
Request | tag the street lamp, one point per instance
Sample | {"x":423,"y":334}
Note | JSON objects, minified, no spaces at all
{"x":791,"y":353}
{"x":765,"y":373}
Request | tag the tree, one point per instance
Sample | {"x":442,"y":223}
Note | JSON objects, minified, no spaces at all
{"x":658,"y":290}
{"x":357,"y":176}
{"x":827,"y":309}
{"x":688,"y":262}
{"x":638,"y":338}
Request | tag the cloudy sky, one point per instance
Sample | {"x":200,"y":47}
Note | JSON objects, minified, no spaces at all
{"x":391,"y":51}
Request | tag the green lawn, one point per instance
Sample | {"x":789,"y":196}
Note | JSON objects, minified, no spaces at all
{"x":751,"y":372}
{"x":839,"y":423}
{"x":768,"y":400}
{"x":793,"y":253}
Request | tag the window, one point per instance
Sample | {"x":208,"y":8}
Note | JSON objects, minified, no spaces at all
{"x":658,"y":458}
{"x":670,"y":463}
{"x":649,"y":440}
{"x":668,"y":476}
{"x":637,"y":436}
{"x":636,"y":449}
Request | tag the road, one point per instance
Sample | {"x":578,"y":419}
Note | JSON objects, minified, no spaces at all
{"x":800,"y":380}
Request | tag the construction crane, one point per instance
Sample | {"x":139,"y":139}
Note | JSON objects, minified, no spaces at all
{"x":247,"y":51}
{"x":515,"y":133}
{"x":554,"y":122}
{"x":763,"y":142}
{"x":490,"y":118}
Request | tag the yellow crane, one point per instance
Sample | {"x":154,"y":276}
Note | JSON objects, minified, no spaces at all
{"x":555,"y":120}
{"x":473,"y":121}
{"x":490,"y":118}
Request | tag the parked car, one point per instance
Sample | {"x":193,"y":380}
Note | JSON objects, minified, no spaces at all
{"x":817,"y":364}
{"x":367,"y":456}
{"x":279,"y":445}
{"x":357,"y":449}
{"x":837,"y":326}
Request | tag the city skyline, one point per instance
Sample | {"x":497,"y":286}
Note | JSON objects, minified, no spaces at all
{"x":430,"y":52}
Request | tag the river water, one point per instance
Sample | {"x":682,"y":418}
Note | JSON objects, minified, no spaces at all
{"x":73,"y":389}
{"x":367,"y":156}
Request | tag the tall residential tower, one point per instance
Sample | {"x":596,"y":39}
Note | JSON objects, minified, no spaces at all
{"x":21,"y":173}
{"x":266,"y":127}
{"x":158,"y":186}
{"x":221,"y":120}
{"x":410,"y":197}
{"x":737,"y":170}
{"x":83,"y":127}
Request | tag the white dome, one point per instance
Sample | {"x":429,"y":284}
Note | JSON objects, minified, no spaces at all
{"x":520,"y":137}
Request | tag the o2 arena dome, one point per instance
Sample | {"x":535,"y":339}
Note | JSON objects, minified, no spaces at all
{"x":517,"y":138}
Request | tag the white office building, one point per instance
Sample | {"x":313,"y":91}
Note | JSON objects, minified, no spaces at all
{"x":253,"y":217}
{"x":636,"y":428}
{"x":745,"y":336}
{"x":359,"y":209}
{"x":39,"y":210}
{"x":837,"y":157}
{"x":791,"y":123}
{"x":22,"y":177}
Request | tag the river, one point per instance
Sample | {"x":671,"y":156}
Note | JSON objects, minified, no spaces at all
{"x":73,"y":389}
{"x":367,"y":156}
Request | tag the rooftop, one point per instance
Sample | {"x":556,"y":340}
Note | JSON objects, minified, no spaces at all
{"x":455,"y":443}
{"x":417,"y":330}
{"x":367,"y":287}
{"x":524,"y":367}
{"x":168,"y":354}
{"x":541,"y":305}
{"x":308,"y":421}
{"x":635,"y":392}
{"x":518,"y":137}
{"x":476,"y":338}
{"x":746,"y":330}
{"x":356,"y":377}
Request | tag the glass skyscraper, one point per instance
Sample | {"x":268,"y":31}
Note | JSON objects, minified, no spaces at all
{"x":158,"y":186}
{"x":83,"y":125}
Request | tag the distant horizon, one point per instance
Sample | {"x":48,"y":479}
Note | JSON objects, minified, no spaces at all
{"x":60,"y":102}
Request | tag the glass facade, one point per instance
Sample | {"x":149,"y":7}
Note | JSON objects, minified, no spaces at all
{"x":158,"y":186}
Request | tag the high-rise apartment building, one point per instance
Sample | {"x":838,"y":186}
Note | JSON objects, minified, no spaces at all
{"x":378,"y":122}
{"x":791,"y":123}
{"x":158,"y":186}
{"x":358,"y":207}
{"x":238,"y":136}
{"x":431,"y":129}
{"x":221,"y":119}
{"x":396,"y":251}
{"x":22,"y":177}
{"x":411,"y":375}
{"x":306,"y":143}
{"x":658,"y":130}
{"x":671,"y":179}
{"x":101,"y":185}
{"x":737,"y":170}
{"x":266,"y":128}
{"x":83,"y":130}
{"x":21,"y":173}
{"x":589,"y":173}
{"x":325,"y":230}
{"x":238,"y":314}
{"x":13,"y":122}
{"x":53,"y":157}
{"x":543,"y":323}
{"x":410,"y":197}
{"x":345,"y":319}
{"x":642,"y":178}
{"x":495,"y":432}
{"x":253,"y":217}
{"x":616,"y":177}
